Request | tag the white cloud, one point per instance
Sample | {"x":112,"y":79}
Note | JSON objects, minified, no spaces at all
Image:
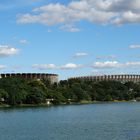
{"x":23,"y":41}
{"x":2,"y":67}
{"x":97,"y":66}
{"x":127,"y":17}
{"x":69,"y":28}
{"x":111,"y":56}
{"x":53,"y":14}
{"x":71,"y":66}
{"x":44,"y":66}
{"x":6,"y":50}
{"x":107,"y":57}
{"x":95,"y":11}
{"x":107,"y":64}
{"x":119,"y":5}
{"x":132,"y":64}
{"x":134,"y":46}
{"x":115,"y":64}
{"x":81,"y":54}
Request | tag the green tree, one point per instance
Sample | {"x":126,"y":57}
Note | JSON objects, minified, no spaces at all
{"x":3,"y":95}
{"x":35,"y":96}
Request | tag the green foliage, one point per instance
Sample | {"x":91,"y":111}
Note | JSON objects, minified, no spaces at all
{"x":16,"y":91}
{"x":3,"y":95}
{"x":35,"y":96}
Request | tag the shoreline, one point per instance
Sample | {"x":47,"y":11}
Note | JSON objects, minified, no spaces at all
{"x":83,"y":102}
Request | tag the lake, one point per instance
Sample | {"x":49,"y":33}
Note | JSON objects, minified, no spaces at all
{"x":104,"y":121}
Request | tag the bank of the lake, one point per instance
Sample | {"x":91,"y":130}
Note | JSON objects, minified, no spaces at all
{"x":82,"y":102}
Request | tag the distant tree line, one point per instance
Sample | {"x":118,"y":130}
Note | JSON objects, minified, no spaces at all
{"x":16,"y":91}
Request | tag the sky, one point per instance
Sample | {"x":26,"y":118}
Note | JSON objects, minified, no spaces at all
{"x":70,"y":37}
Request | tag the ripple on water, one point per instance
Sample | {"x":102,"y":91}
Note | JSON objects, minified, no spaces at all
{"x":107,"y":121}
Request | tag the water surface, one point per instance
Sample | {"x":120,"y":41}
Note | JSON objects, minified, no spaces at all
{"x":106,"y":121}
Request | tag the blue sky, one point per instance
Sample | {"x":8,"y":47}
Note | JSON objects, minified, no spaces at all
{"x":70,"y":38}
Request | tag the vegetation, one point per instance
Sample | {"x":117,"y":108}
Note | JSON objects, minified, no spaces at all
{"x":18,"y":91}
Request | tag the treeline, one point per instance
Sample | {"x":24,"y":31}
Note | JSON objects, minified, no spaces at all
{"x":16,"y":91}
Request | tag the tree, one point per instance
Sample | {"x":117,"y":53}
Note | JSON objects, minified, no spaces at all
{"x":79,"y":92}
{"x":3,"y":95}
{"x":35,"y":96}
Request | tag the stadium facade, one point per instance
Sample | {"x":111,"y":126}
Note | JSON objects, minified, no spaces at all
{"x":53,"y":78}
{"x":121,"y":78}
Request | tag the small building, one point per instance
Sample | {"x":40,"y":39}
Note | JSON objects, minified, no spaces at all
{"x":48,"y":101}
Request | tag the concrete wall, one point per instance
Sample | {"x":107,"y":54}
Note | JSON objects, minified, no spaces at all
{"x":52,"y":77}
{"x":121,"y":78}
